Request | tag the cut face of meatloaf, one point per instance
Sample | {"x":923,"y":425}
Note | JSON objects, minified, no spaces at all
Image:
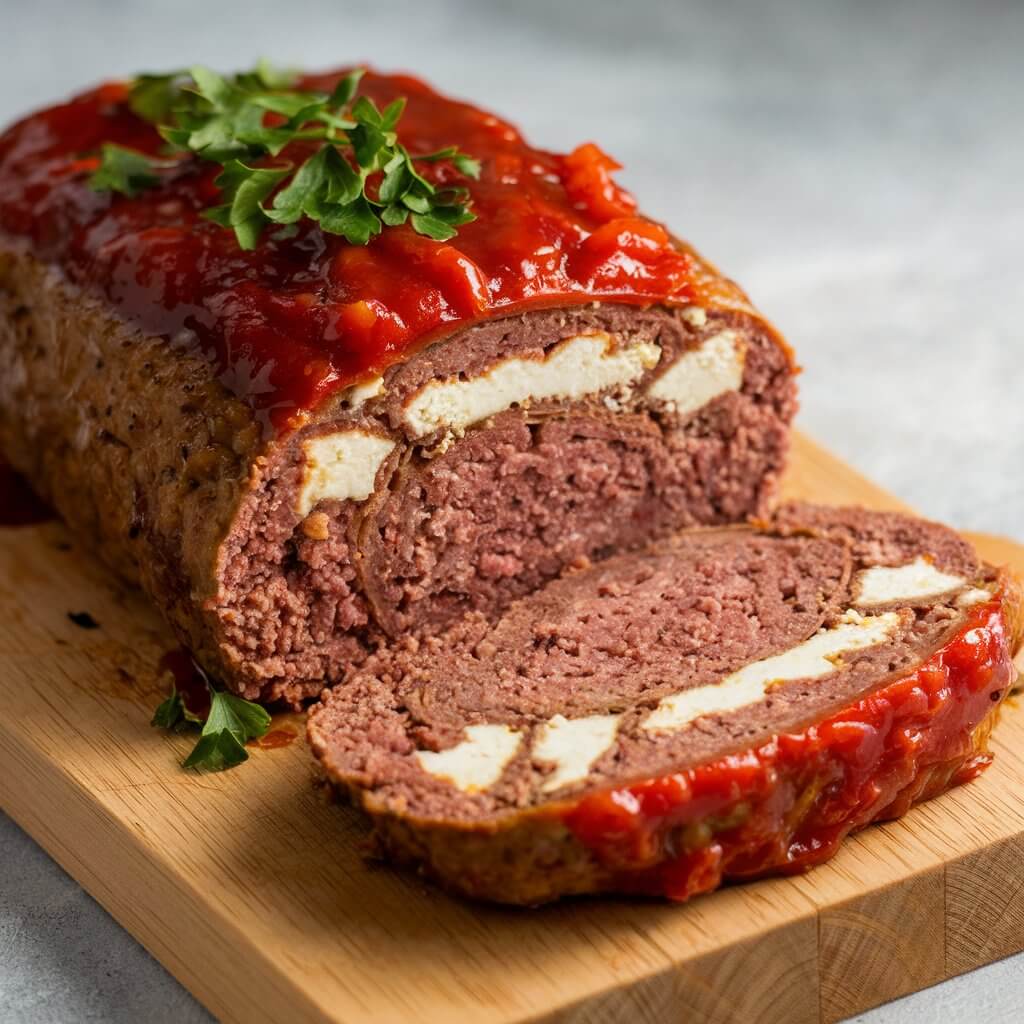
{"x":457,"y":481}
{"x":310,"y":448}
{"x":484,"y":466}
{"x":726,"y":703}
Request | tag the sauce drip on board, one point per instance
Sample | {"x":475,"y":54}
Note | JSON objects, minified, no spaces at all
{"x":788,"y":804}
{"x":275,"y":739}
{"x":306,"y":314}
{"x":19,"y":505}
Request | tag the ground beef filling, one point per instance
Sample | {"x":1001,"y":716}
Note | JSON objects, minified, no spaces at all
{"x":610,"y":646}
{"x":512,"y":504}
{"x":297,"y":611}
{"x":471,"y":523}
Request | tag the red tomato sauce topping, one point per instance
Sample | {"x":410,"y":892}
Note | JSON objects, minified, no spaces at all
{"x":788,"y":804}
{"x":301,"y":317}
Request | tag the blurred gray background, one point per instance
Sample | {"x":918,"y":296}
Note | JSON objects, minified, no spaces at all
{"x":858,"y":167}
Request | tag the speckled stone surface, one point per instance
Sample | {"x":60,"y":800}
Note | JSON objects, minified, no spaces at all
{"x":857,"y":166}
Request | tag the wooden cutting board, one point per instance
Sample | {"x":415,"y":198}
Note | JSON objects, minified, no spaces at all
{"x":253,"y":892}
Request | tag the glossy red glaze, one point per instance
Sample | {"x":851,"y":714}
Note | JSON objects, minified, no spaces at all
{"x":301,"y":317}
{"x":19,"y":505}
{"x":788,"y":804}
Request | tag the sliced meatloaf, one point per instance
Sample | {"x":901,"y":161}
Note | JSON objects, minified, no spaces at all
{"x":154,"y":386}
{"x":724,"y":704}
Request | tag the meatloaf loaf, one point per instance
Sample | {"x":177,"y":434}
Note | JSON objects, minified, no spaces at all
{"x":304,"y":449}
{"x":725,"y":704}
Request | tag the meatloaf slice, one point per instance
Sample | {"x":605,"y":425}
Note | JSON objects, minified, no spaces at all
{"x":489,"y":504}
{"x":724,"y":704}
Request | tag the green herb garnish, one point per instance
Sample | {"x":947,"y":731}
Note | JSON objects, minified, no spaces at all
{"x":170,"y":713}
{"x":124,"y":170}
{"x":230,"y":723}
{"x":224,"y":120}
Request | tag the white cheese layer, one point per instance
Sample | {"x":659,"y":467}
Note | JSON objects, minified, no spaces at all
{"x":702,"y":374}
{"x":358,"y":394}
{"x":919,"y":579}
{"x":573,"y":745}
{"x":573,"y":369}
{"x":477,"y":762}
{"x":815,"y":657}
{"x":342,"y":466}
{"x":976,"y":595}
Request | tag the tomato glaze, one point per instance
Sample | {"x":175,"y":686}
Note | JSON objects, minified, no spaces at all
{"x":301,"y":317}
{"x":788,"y":804}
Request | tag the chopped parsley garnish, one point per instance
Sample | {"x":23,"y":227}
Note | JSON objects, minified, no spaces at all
{"x":170,"y":713}
{"x":358,"y":178}
{"x":124,"y":170}
{"x":230,"y":722}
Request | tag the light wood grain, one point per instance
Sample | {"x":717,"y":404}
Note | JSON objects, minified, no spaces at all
{"x":254,"y":893}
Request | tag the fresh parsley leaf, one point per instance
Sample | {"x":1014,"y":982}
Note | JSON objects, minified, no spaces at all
{"x":231,"y":721}
{"x":394,"y":215}
{"x":432,"y":226}
{"x":242,"y":718}
{"x":416,"y":203}
{"x":345,"y":90}
{"x":174,"y":713}
{"x":245,"y":188}
{"x":216,"y":751}
{"x":357,"y":180}
{"x":324,"y":180}
{"x":357,"y":221}
{"x":123,"y":170}
{"x":170,"y":712}
{"x":267,"y":76}
{"x":214,"y":88}
{"x":467,"y":165}
{"x":440,"y":223}
{"x":153,"y":97}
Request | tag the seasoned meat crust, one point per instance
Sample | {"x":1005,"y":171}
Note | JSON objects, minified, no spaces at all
{"x":177,"y":485}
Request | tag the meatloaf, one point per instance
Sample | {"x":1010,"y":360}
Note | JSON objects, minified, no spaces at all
{"x":727,"y":703}
{"x":306,"y":449}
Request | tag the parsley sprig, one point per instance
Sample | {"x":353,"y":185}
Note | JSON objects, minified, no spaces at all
{"x":124,"y":170}
{"x":230,"y":722}
{"x":358,"y":178}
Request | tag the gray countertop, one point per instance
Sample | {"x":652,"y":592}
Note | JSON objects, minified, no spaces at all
{"x":857,"y":166}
